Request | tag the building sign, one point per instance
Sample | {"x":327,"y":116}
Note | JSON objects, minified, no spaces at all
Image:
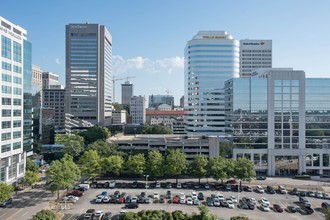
{"x":261,"y":43}
{"x":5,"y":30}
{"x":214,"y":37}
{"x":78,"y":26}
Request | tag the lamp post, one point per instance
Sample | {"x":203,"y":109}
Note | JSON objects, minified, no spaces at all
{"x":146,"y":176}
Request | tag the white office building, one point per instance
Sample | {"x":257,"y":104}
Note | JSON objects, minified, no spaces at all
{"x":211,"y":58}
{"x":138,"y":109}
{"x":254,"y":54}
{"x":16,"y":101}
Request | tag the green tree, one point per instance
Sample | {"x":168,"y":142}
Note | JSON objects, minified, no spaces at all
{"x":239,"y":218}
{"x":176,"y":163}
{"x":62,"y":174}
{"x":44,"y":215}
{"x":90,"y":163}
{"x":198,"y":167}
{"x":244,"y":169}
{"x":326,"y":212}
{"x":135,"y":164}
{"x":31,"y":166}
{"x":73,"y":143}
{"x":95,"y":133}
{"x":204,"y":214}
{"x":5,"y":191}
{"x":226,"y":149}
{"x":113,"y":164}
{"x":104,"y":149}
{"x":217,"y":168}
{"x":156,"y":129}
{"x":117,"y":106}
{"x":155,"y":164}
{"x":31,"y":178}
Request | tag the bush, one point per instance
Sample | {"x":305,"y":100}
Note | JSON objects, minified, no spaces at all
{"x":44,"y":215}
{"x":239,"y":218}
{"x":304,"y":176}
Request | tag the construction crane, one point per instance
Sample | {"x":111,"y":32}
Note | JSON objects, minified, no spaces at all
{"x":113,"y":83}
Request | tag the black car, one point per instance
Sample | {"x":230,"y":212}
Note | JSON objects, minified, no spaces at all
{"x":294,"y":191}
{"x":134,"y":184}
{"x":143,"y":194}
{"x":260,"y":178}
{"x":223,"y":203}
{"x":168,"y":194}
{"x":162,"y":199}
{"x":291,"y":209}
{"x":308,"y":210}
{"x":116,"y":194}
{"x":302,"y":194}
{"x":209,"y":201}
{"x":141,"y":199}
{"x":113,"y":199}
{"x":200,"y":196}
{"x":270,"y":190}
{"x":325,"y":205}
{"x":107,"y":216}
{"x":132,"y":206}
{"x":128,"y":199}
{"x":6,"y":202}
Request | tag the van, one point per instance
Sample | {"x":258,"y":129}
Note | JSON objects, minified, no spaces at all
{"x":83,"y":185}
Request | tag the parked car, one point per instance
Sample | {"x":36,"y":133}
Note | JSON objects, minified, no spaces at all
{"x":224,"y":203}
{"x":209,"y":201}
{"x":121,"y":200}
{"x":228,"y":187}
{"x":194,"y":195}
{"x":319,"y":195}
{"x":216,"y":202}
{"x":248,"y":189}
{"x":326,"y":196}
{"x":291,"y":209}
{"x":98,"y":215}
{"x":132,"y":205}
{"x":277,"y":208}
{"x":176,"y":200}
{"x":206,"y":186}
{"x":311,"y":194}
{"x":162,"y":199}
{"x":325,"y":205}
{"x":230,"y":204}
{"x":304,"y":201}
{"x":107,"y":216}
{"x":270,"y":190}
{"x":259,"y":189}
{"x":106,"y":199}
{"x":147,"y":200}
{"x":261,"y":178}
{"x":308,"y":210}
{"x":168,"y":194}
{"x":233,"y":199}
{"x":157,"y":185}
{"x":196,"y":202}
{"x":281,"y":189}
{"x":128,"y":199}
{"x":99,"y":199}
{"x":76,"y":193}
{"x":116,"y":194}
{"x":264,"y":207}
{"x":189,"y":201}
{"x":302,"y":194}
{"x":263,"y":200}
{"x":89,"y":214}
{"x":178,"y":186}
{"x":294,"y":191}
{"x":134,"y":199}
{"x":6,"y":202}
{"x":156,"y":195}
{"x":200,"y":196}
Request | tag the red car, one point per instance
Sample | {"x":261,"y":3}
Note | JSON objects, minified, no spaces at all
{"x":121,"y":200}
{"x":176,"y":200}
{"x":76,"y":193}
{"x":278,"y":208}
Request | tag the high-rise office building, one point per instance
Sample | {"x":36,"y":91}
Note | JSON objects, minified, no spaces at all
{"x":126,"y":92}
{"x":211,"y":58}
{"x":36,"y":76}
{"x":88,"y":75}
{"x":157,"y":100}
{"x":138,"y":109}
{"x":16,"y":101}
{"x":36,"y":100}
{"x":49,"y":79}
{"x":254,"y":54}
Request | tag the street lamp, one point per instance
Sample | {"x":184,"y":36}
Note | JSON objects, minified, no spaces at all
{"x":146,"y":176}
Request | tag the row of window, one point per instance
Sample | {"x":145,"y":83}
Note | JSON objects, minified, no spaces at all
{"x":7,"y":78}
{"x":7,"y":135}
{"x":7,"y":101}
{"x":7,"y":112}
{"x":7,"y":90}
{"x":6,"y":49}
{"x":7,"y":124}
{"x":249,"y":51}
{"x":7,"y":147}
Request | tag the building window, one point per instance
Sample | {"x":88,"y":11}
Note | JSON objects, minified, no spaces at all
{"x":6,"y":77}
{"x":17,"y":123}
{"x":6,"y":124}
{"x":6,"y":66}
{"x":17,"y":80}
{"x":5,"y":148}
{"x":6,"y":47}
{"x":6,"y":112}
{"x":17,"y":52}
{"x":17,"y":69}
{"x":6,"y":89}
{"x":17,"y":102}
{"x":17,"y":91}
{"x":6,"y":136}
{"x":17,"y":112}
{"x":6,"y":101}
{"x":16,"y":134}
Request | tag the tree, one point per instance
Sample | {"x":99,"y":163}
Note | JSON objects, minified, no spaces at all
{"x":62,"y":174}
{"x":104,"y":149}
{"x":90,"y":164}
{"x":176,"y":163}
{"x":204,"y":214}
{"x":95,"y":133}
{"x":31,"y":178}
{"x":198,"y":167}
{"x":31,"y":166}
{"x":239,"y":218}
{"x":44,"y":215}
{"x":117,"y":106}
{"x":217,"y":168}
{"x":135,"y":164}
{"x":226,"y":149}
{"x":155,"y":164}
{"x":244,"y":169}
{"x":5,"y":191}
{"x":156,"y":129}
{"x":73,"y":143}
{"x":326,"y":212}
{"x":113,"y":164}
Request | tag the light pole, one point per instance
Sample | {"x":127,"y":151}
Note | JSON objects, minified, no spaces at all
{"x":146,"y":181}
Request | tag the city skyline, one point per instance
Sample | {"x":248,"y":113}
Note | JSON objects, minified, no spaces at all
{"x":149,"y":37}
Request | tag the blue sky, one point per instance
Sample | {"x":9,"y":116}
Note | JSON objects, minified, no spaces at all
{"x":149,"y":36}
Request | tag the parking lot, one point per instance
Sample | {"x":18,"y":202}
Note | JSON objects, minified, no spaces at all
{"x":88,"y":202}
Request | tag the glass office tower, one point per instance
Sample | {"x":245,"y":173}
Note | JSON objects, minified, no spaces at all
{"x":89,"y":89}
{"x":211,"y":58}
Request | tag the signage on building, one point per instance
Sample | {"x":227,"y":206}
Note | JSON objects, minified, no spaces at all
{"x":78,"y":26}
{"x":214,"y":37}
{"x":261,"y":43}
{"x":5,"y":30}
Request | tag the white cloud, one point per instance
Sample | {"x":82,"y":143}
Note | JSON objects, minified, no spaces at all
{"x":58,"y":61}
{"x":159,"y":66}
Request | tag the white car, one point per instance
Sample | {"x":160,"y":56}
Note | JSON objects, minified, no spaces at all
{"x":99,"y":199}
{"x":319,"y":195}
{"x":106,"y":199}
{"x":194,"y":195}
{"x":220,"y":197}
{"x":157,"y":185}
{"x":253,"y":200}
{"x":260,"y":189}
{"x":98,"y":214}
{"x":206,"y":186}
{"x":196,"y":202}
{"x":178,"y":186}
{"x":135,"y":199}
{"x":230,"y":204}
{"x":182,"y":200}
{"x":216,"y":202}
{"x":264,"y":207}
{"x":264,"y":201}
{"x":189,"y":201}
{"x":156,"y":195}
{"x":182,"y":196}
{"x":326,"y":196}
{"x":71,"y":198}
{"x":233,"y":199}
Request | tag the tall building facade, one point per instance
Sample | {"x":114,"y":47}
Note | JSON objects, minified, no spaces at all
{"x":126,"y":92}
{"x":254,"y":54}
{"x":156,"y":100}
{"x":49,"y":79}
{"x":16,"y":101}
{"x":138,"y":109}
{"x":280,"y":120}
{"x":211,"y":58}
{"x":88,"y":75}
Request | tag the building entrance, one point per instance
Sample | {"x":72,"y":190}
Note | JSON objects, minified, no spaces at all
{"x":286,"y":165}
